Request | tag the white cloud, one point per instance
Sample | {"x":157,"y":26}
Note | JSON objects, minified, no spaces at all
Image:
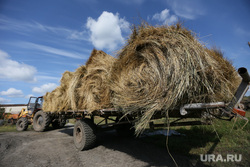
{"x":44,"y":88}
{"x":22,"y":27}
{"x":52,"y":50}
{"x":3,"y":100}
{"x":165,"y":17}
{"x":106,"y":31}
{"x":187,"y":9}
{"x":45,"y":77}
{"x":78,"y":35}
{"x":12,"y":92}
{"x":13,"y":70}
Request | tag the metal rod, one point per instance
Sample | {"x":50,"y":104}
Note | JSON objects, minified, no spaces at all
{"x":200,"y":106}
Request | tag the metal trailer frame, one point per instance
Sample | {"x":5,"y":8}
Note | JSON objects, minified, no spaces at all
{"x":85,"y":128}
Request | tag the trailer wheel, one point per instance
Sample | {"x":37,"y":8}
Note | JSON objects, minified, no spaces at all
{"x":22,"y":124}
{"x":84,"y":134}
{"x":41,"y":121}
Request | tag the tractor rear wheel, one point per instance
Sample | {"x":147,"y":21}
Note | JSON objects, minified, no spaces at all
{"x":22,"y":124}
{"x":41,"y":121}
{"x":84,"y":134}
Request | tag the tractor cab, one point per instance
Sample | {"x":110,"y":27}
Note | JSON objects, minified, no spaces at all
{"x":34,"y":104}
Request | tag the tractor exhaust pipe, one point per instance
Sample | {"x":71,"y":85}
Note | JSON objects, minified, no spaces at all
{"x":242,"y":89}
{"x":244,"y":74}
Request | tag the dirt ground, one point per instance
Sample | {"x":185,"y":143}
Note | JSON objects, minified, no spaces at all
{"x":56,"y":148}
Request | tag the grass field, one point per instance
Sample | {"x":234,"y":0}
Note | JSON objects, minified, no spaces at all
{"x":8,"y":128}
{"x":222,"y":137}
{"x":11,"y":128}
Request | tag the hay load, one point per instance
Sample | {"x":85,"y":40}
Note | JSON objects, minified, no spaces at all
{"x":57,"y":100}
{"x":94,"y":92}
{"x":159,"y":68}
{"x":75,"y":83}
{"x":165,"y":67}
{"x":85,"y":89}
{"x":227,"y":69}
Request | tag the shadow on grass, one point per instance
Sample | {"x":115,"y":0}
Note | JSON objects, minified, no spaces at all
{"x":196,"y":138}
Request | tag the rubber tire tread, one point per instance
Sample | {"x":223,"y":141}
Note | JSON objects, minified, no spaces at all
{"x":23,"y":121}
{"x":45,"y":123}
{"x":88,"y":129}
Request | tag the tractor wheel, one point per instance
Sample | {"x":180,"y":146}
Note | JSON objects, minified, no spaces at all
{"x":58,"y":124}
{"x":84,"y":134}
{"x":22,"y":124}
{"x":41,"y":121}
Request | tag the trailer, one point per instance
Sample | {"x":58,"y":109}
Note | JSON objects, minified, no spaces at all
{"x":87,"y":125}
{"x":85,"y":129}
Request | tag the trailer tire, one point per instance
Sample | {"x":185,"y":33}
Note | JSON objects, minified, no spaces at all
{"x":84,"y":134}
{"x":22,"y":124}
{"x":41,"y":121}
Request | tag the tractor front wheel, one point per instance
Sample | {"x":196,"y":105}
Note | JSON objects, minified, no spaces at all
{"x":22,"y":124}
{"x":41,"y":121}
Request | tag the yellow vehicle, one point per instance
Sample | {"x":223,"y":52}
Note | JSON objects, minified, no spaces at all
{"x":34,"y":115}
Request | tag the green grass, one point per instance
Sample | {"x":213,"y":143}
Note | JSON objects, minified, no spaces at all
{"x":11,"y":128}
{"x":72,"y":121}
{"x":8,"y":128}
{"x":222,"y":137}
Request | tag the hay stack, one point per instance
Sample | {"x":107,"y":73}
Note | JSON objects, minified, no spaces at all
{"x":94,"y":93}
{"x":164,"y":67}
{"x":58,"y":100}
{"x":73,"y":94}
{"x":85,"y":89}
{"x":228,"y":71}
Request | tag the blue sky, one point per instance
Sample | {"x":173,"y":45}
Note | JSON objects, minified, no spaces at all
{"x":39,"y":40}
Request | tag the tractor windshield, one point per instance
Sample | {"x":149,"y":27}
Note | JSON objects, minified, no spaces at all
{"x":39,"y":103}
{"x":31,"y":104}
